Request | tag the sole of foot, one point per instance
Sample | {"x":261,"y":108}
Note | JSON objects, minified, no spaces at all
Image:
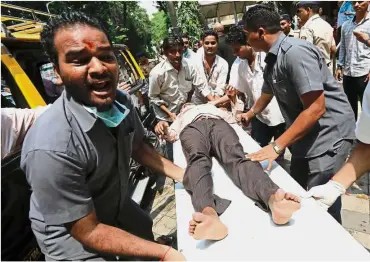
{"x":207,"y":227}
{"x":283,"y":205}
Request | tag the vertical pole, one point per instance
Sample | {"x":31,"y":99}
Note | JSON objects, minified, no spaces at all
{"x":235,"y":14}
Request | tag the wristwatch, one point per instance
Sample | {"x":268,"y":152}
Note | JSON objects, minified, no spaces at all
{"x":276,"y":148}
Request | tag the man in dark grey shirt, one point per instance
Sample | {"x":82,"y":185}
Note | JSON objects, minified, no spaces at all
{"x":76,"y":156}
{"x":320,"y":122}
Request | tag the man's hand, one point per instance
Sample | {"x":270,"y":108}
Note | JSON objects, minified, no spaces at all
{"x":267,"y":152}
{"x":161,"y":128}
{"x":124,"y":86}
{"x":367,"y":79}
{"x":338,"y":74}
{"x":326,"y":194}
{"x":230,"y":91}
{"x":361,"y":36}
{"x":172,"y":116}
{"x":244,"y":119}
{"x":174,"y":255}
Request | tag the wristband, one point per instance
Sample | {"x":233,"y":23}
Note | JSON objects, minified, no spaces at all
{"x":254,"y":114}
{"x":165,"y":253}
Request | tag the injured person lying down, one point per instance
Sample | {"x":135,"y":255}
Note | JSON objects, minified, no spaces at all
{"x":205,"y":132}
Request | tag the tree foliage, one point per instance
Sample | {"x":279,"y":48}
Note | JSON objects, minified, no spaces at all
{"x":188,"y":19}
{"x":159,"y":27}
{"x":125,"y":21}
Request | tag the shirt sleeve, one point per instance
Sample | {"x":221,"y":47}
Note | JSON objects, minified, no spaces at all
{"x":305,"y":72}
{"x":342,"y":47}
{"x":58,"y":183}
{"x":155,"y":89}
{"x":307,"y":34}
{"x":266,"y":88}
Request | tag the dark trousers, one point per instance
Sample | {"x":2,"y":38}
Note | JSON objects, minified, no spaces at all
{"x":354,"y":87}
{"x":319,"y":170}
{"x":263,"y":133}
{"x":209,"y":138}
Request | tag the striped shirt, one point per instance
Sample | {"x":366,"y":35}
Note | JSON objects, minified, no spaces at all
{"x":354,"y":56}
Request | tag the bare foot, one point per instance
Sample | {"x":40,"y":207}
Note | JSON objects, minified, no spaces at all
{"x":192,"y":225}
{"x":283,"y":205}
{"x":207,"y":227}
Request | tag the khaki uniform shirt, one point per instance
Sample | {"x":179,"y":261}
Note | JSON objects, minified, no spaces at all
{"x":320,"y":33}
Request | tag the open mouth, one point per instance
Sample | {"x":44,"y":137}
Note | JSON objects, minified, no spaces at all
{"x":101,"y":88}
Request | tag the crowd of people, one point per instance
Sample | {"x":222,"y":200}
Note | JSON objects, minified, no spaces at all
{"x":276,"y":84}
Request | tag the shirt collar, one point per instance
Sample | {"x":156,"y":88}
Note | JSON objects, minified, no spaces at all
{"x":168,"y":66}
{"x":276,"y":45}
{"x":84,"y":118}
{"x":310,"y":19}
{"x":367,"y":17}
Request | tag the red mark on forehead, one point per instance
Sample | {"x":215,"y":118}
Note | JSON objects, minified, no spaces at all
{"x":89,"y":44}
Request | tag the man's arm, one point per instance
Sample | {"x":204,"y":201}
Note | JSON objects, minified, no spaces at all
{"x":58,"y":182}
{"x":260,"y":105}
{"x":305,"y":76}
{"x":342,"y":54}
{"x":148,"y":157}
{"x":155,"y":92}
{"x":314,"y":109}
{"x":15,"y":124}
{"x":112,"y":240}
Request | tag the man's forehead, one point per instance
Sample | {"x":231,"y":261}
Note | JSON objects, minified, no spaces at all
{"x":80,"y":36}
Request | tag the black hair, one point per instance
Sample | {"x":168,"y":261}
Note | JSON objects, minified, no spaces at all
{"x":172,"y":41}
{"x":262,"y":16}
{"x":184,"y":36}
{"x":236,"y":35}
{"x":210,"y":32}
{"x":65,"y":20}
{"x":315,"y":7}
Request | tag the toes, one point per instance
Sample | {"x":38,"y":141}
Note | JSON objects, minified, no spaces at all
{"x":198,"y":217}
{"x":290,"y":196}
{"x":192,"y":223}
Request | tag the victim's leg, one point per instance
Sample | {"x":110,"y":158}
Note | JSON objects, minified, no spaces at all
{"x":248,"y":175}
{"x":198,"y":182}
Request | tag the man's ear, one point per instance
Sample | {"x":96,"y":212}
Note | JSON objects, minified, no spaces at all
{"x":59,"y":80}
{"x":261,"y":33}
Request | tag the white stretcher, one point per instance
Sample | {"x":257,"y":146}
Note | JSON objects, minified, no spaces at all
{"x":312,"y":233}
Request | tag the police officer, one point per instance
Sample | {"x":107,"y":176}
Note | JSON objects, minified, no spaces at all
{"x":319,"y":118}
{"x":315,"y":29}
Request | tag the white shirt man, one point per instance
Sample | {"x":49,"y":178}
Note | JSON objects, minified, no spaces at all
{"x":250,"y":83}
{"x":216,"y":78}
{"x":171,"y":88}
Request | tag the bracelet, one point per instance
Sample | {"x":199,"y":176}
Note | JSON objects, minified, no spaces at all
{"x":165,"y":253}
{"x":254,"y":114}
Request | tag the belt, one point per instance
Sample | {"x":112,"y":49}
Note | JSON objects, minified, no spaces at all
{"x":205,"y":117}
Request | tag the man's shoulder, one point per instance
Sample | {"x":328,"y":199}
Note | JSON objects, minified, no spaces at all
{"x":222,"y":61}
{"x":158,"y":69}
{"x":51,"y":131}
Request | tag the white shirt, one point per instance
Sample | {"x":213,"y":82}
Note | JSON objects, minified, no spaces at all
{"x":189,"y":116}
{"x":250,"y":83}
{"x":216,"y":78}
{"x":15,"y":123}
{"x":170,"y":87}
{"x":363,"y":124}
